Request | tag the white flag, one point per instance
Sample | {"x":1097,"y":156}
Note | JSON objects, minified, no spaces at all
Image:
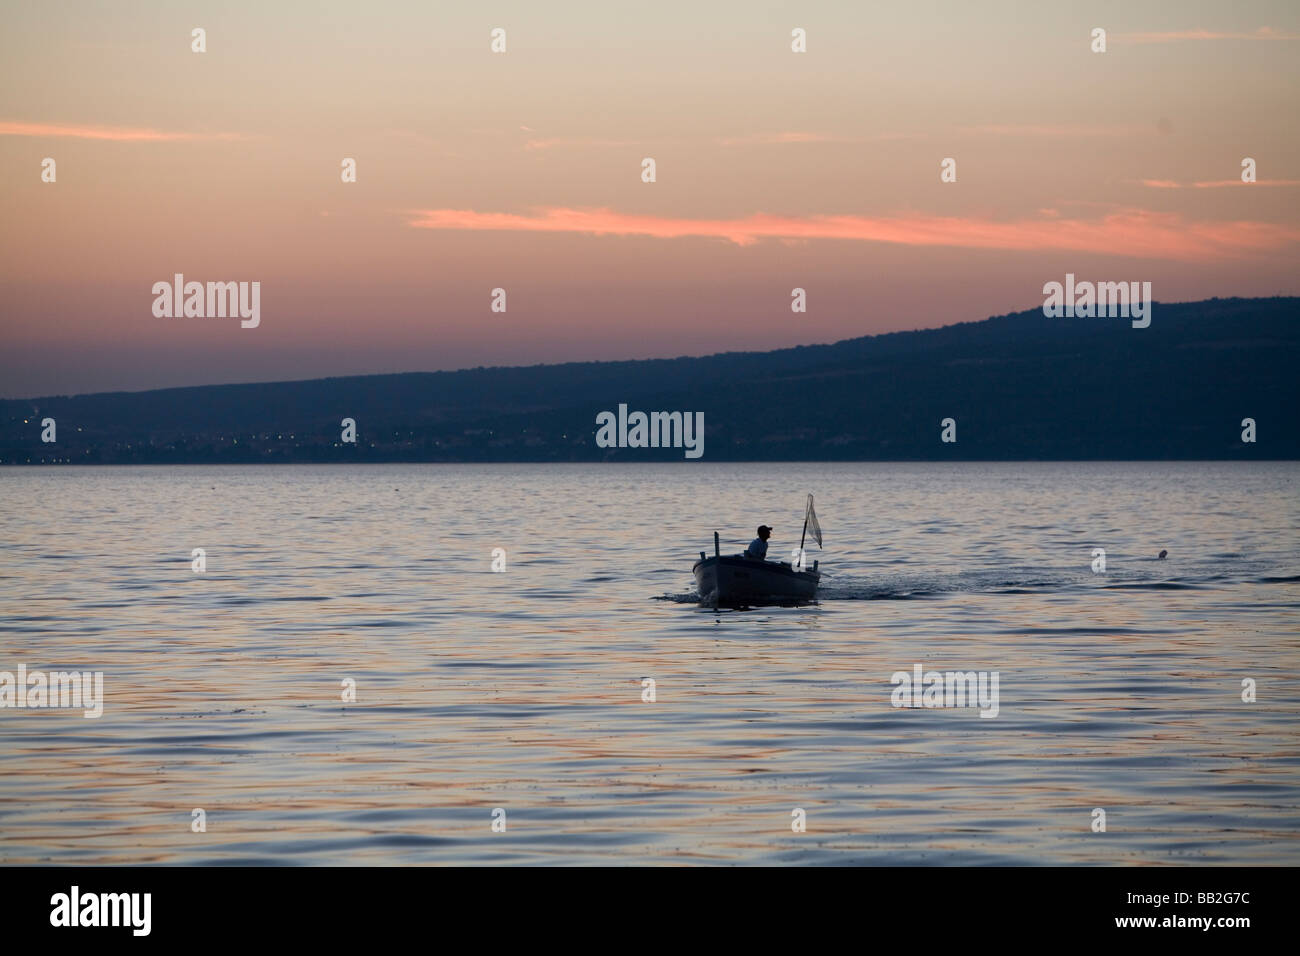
{"x":811,"y":519}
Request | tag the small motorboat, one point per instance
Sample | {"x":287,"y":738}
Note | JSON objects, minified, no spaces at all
{"x":737,"y":580}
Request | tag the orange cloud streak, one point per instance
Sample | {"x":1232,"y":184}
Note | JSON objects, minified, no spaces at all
{"x":115,"y":133}
{"x":1135,"y":232}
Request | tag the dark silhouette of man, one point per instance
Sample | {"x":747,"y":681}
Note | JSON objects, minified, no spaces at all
{"x":757,"y":549}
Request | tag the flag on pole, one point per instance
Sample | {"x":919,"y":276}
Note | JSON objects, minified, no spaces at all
{"x":811,"y":519}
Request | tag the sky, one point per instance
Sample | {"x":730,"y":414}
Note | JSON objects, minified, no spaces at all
{"x":522,"y":170}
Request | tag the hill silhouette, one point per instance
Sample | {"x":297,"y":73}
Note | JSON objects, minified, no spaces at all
{"x":1019,"y":386}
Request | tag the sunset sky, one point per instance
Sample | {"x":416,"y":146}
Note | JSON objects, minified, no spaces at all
{"x":522,"y":170}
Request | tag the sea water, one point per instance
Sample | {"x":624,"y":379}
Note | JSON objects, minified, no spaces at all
{"x":348,"y":680}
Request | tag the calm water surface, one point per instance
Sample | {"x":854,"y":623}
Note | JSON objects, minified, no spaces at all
{"x":523,"y":689}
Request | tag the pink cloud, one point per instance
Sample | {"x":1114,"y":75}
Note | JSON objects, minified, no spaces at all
{"x":575,"y":142}
{"x":115,"y":133}
{"x":1174,"y":36}
{"x":770,"y":139}
{"x":1216,"y":183}
{"x":795,"y":136}
{"x":1132,"y":232}
{"x":1053,"y":130}
{"x":749,"y":139}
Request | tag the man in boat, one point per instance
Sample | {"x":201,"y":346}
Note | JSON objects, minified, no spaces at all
{"x":757,"y":550}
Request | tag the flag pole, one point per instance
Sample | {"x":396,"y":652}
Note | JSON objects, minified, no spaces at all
{"x":805,"y":528}
{"x":717,"y":572}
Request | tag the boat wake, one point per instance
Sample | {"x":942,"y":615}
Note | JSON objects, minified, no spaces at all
{"x":892,"y":585}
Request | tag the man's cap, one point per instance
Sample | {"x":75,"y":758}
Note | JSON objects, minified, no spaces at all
{"x":762,"y":528}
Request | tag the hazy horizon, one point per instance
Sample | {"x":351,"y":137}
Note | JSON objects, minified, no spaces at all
{"x":525,"y":364}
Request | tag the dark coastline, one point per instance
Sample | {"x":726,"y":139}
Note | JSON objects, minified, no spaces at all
{"x":1020,"y":387}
